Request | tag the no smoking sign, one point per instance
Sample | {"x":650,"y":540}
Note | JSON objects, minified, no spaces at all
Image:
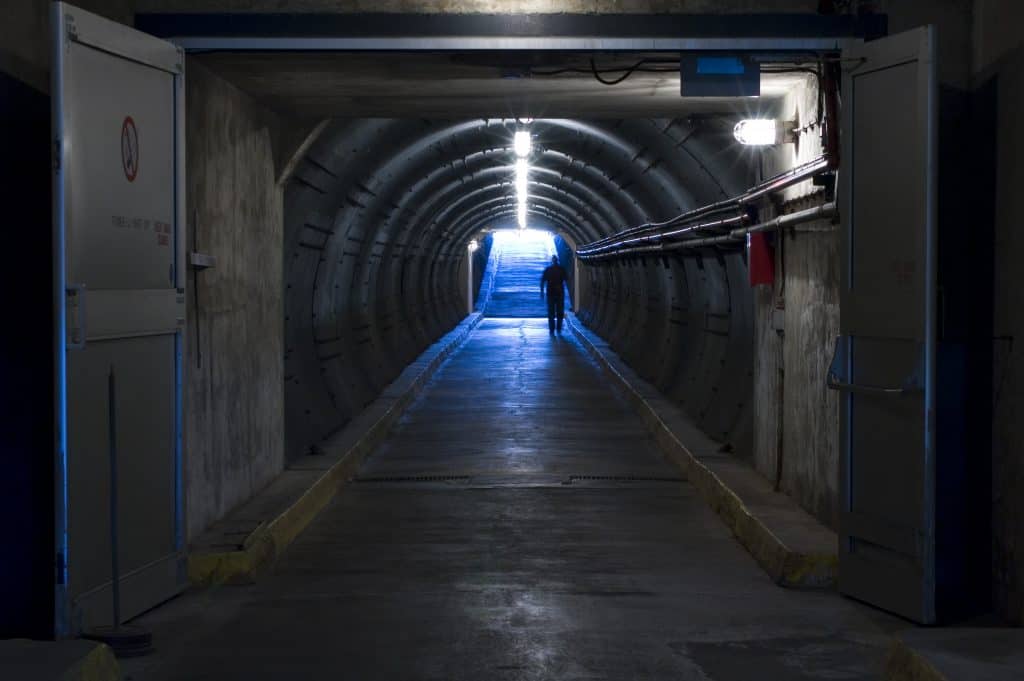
{"x":129,"y":149}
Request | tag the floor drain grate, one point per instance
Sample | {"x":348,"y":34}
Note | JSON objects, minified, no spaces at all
{"x":412,"y":478}
{"x":625,"y":478}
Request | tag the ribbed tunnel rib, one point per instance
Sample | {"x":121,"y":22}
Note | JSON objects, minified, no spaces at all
{"x":379,"y":211}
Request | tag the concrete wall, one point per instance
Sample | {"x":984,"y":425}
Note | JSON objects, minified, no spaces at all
{"x":234,"y":398}
{"x":25,"y":35}
{"x":999,"y":63}
{"x":234,"y":402}
{"x":796,"y":419}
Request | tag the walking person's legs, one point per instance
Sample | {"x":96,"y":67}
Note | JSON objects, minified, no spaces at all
{"x":551,"y":316}
{"x":560,"y":311}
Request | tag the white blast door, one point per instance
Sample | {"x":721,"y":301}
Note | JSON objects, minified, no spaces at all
{"x":118,"y":107}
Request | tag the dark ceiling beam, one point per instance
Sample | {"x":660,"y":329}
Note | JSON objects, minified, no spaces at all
{"x":168,"y":23}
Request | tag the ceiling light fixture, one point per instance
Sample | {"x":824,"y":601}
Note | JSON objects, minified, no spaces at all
{"x":522,"y":143}
{"x":522,"y":178}
{"x":760,"y":132}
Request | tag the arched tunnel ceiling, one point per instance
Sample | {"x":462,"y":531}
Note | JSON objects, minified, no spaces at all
{"x":378,"y":213}
{"x":437,"y":177}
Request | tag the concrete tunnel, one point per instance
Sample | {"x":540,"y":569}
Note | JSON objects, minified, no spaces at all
{"x":378,"y":214}
{"x":283,"y":401}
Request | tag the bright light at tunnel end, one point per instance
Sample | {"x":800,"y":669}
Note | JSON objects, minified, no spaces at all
{"x":526,"y":236}
{"x":522,"y":145}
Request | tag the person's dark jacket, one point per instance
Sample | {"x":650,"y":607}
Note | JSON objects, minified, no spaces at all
{"x":554,"y":278}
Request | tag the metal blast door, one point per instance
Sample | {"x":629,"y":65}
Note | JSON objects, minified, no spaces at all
{"x":118,"y":111}
{"x":886,"y":353}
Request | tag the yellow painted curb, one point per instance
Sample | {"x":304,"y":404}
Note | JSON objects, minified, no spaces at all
{"x":903,"y":664}
{"x":269,"y":540}
{"x":99,"y":665}
{"x":785,"y":566}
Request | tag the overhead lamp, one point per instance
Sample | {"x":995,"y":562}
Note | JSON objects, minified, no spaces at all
{"x":759,"y":132}
{"x":473,"y":245}
{"x":521,"y":182}
{"x":522,"y":168}
{"x":522,"y":143}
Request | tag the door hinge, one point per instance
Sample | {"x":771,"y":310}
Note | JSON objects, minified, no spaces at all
{"x":56,"y":155}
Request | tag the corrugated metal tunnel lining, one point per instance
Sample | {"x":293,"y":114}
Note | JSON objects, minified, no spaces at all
{"x":378,"y":213}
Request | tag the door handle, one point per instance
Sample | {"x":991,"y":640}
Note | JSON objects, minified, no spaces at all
{"x":76,"y":317}
{"x":834,"y":383}
{"x":836,"y":377}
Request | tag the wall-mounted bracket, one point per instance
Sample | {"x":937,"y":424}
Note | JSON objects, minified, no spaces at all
{"x":201,"y":261}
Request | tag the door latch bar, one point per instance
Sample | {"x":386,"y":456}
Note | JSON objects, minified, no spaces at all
{"x":837,"y":378}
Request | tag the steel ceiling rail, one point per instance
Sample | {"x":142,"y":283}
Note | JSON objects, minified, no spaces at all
{"x":652,"y":235}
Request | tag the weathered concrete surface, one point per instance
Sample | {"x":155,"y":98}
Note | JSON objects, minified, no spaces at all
{"x":73,"y":660}
{"x":791,"y":546}
{"x":237,"y":548}
{"x":796,"y":418}
{"x":518,"y":570}
{"x":234,"y":400}
{"x":390,"y":85}
{"x":767,"y":382}
{"x":810,"y":465}
{"x":952,"y":654}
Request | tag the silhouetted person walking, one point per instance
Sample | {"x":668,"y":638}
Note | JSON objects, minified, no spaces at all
{"x":554,"y":278}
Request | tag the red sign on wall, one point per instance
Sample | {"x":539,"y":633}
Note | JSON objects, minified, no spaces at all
{"x":760,"y":259}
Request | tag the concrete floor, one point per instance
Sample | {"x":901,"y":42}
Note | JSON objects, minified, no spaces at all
{"x":468,"y":551}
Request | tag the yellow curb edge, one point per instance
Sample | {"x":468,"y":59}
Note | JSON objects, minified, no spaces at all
{"x":904,"y":664}
{"x":785,"y":566}
{"x":99,"y":665}
{"x":269,"y":540}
